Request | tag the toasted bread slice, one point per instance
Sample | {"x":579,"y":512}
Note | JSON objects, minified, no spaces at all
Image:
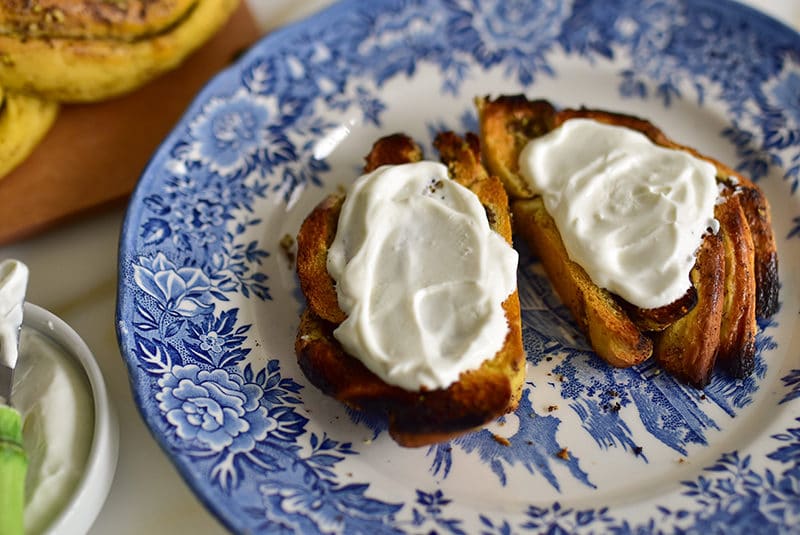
{"x":757,"y":213}
{"x":416,"y":418}
{"x":508,"y":123}
{"x":753,"y":202}
{"x":319,"y":229}
{"x":686,"y":332}
{"x":737,"y":346}
{"x":612,"y":334}
{"x":688,"y":348}
{"x":316,"y":235}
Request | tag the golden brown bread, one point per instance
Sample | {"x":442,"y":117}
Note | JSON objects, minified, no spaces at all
{"x":392,"y":150}
{"x":319,"y":229}
{"x":737,"y":345}
{"x":658,"y":319}
{"x":87,"y":50}
{"x":612,"y":334}
{"x":313,"y":240}
{"x":687,"y":349}
{"x":416,"y":418}
{"x":507,"y":124}
{"x":756,"y":211}
{"x":689,"y":334}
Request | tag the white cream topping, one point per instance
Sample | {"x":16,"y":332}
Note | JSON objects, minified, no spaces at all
{"x":53,"y":394}
{"x":420,"y":275}
{"x":13,"y":283}
{"x":631,"y":213}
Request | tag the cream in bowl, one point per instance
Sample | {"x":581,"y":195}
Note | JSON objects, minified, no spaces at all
{"x":70,"y":433}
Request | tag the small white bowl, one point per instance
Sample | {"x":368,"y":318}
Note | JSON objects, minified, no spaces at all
{"x":90,"y":494}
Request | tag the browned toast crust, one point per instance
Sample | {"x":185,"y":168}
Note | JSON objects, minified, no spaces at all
{"x":416,"y":418}
{"x":687,"y":349}
{"x":688,"y":333}
{"x":757,"y":213}
{"x":315,"y":237}
{"x":392,"y":150}
{"x":612,"y":334}
{"x":507,"y":124}
{"x":737,"y":345}
{"x":658,"y":319}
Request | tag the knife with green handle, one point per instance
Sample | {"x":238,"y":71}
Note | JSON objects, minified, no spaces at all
{"x":13,"y":461}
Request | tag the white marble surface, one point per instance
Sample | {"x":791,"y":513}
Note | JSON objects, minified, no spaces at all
{"x":74,"y":275}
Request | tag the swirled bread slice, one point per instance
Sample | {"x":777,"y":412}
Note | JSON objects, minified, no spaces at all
{"x":757,"y":215}
{"x":416,"y":418}
{"x":737,"y":345}
{"x":688,"y":348}
{"x":734,"y":279}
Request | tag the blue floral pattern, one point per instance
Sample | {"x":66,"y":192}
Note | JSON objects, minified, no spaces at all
{"x":184,"y":291}
{"x":206,"y":308}
{"x":214,"y":408}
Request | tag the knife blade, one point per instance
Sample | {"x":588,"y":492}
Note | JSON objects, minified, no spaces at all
{"x":6,"y":379}
{"x":13,"y":461}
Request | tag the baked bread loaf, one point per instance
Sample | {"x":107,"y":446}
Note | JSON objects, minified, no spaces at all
{"x":24,"y":120}
{"x":423,"y":417}
{"x":88,"y":50}
{"x":734,"y":279}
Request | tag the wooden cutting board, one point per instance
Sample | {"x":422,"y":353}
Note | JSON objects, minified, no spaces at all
{"x":94,"y":153}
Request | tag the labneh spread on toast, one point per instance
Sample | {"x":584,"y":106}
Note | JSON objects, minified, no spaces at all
{"x":410,"y":282}
{"x":656,"y":250}
{"x":631,"y":213}
{"x":420,"y":275}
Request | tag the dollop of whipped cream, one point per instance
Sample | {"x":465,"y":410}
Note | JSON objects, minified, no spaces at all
{"x":631,"y":213}
{"x":420,"y":275}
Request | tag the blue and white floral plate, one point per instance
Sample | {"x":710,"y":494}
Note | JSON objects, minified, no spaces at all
{"x":209,"y":304}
